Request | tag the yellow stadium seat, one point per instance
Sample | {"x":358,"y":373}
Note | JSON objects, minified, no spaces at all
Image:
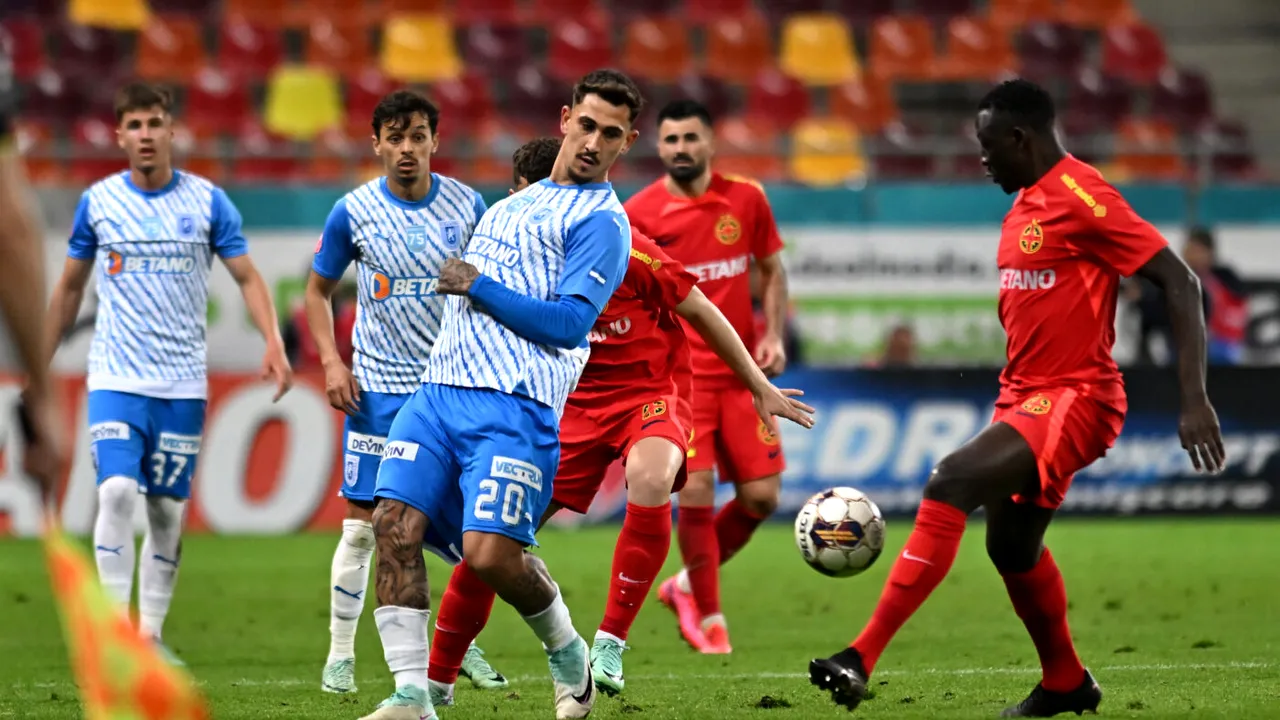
{"x":110,"y":14}
{"x":419,"y":48}
{"x":826,"y":152}
{"x":818,"y":49}
{"x":302,"y":102}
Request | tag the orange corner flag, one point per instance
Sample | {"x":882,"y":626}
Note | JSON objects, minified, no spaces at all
{"x":120,"y":674}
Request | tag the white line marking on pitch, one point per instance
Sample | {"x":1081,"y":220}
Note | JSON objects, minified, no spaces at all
{"x":542,"y":679}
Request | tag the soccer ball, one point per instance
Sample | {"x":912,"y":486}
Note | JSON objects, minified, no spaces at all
{"x":840,"y":532}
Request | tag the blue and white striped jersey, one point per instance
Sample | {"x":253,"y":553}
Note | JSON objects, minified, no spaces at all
{"x":547,"y":240}
{"x":153,"y":251}
{"x":398,"y":247}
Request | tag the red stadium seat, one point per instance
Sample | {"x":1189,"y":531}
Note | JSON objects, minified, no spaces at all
{"x":195,"y":9}
{"x":248,"y":51}
{"x":363,"y":93}
{"x":577,"y":47}
{"x":216,"y":103}
{"x":332,"y":157}
{"x":1148,"y":149}
{"x":703,"y":12}
{"x":976,"y":49}
{"x":43,"y":9}
{"x":1231,"y":150}
{"x":85,"y":52}
{"x":715,"y":95}
{"x":198,"y":152}
{"x":750,"y":147}
{"x":533,"y":94}
{"x":738,"y":48}
{"x":463,"y":103}
{"x":1096,"y":14}
{"x":97,"y":154}
{"x":261,"y":158}
{"x":778,"y":98}
{"x":628,"y":10}
{"x":1010,"y":14}
{"x":1133,"y":51}
{"x":52,"y":99}
{"x":862,"y":13}
{"x":943,"y":10}
{"x":550,"y":12}
{"x":26,"y":38}
{"x":477,"y":12}
{"x":867,"y":102}
{"x":272,"y":14}
{"x":425,"y":7}
{"x":656,"y":48}
{"x":170,"y":49}
{"x":777,"y":10}
{"x":1106,"y":99}
{"x":346,"y":14}
{"x":1183,"y":97}
{"x":902,"y":48}
{"x":1051,"y":51}
{"x":344,"y":48}
{"x":905,"y":153}
{"x":499,"y":50}
{"x":35,"y":144}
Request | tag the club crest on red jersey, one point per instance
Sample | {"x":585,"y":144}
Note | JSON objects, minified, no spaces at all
{"x":1032,"y":238}
{"x":1037,"y":405}
{"x":728,"y":229}
{"x":767,"y":436}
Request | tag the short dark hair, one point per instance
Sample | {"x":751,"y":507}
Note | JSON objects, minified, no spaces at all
{"x":1024,"y":101}
{"x":612,"y":86}
{"x":533,"y":160}
{"x":141,"y":96}
{"x":398,"y":108}
{"x":683,"y":109}
{"x":1202,"y":235}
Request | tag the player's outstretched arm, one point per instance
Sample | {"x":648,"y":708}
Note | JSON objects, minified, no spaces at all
{"x":560,"y":323}
{"x":1198,"y":427}
{"x":714,"y":327}
{"x":257,"y":298}
{"x":339,"y":384}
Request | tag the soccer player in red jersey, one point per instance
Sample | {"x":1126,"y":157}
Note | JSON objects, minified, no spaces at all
{"x":632,"y":402}
{"x":1064,"y":245}
{"x":717,"y":225}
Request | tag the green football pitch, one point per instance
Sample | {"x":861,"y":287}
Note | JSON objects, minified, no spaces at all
{"x":1177,"y":619}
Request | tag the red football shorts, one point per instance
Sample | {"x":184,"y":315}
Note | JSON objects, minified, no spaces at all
{"x":728,"y":434}
{"x":1067,"y":429}
{"x":591,"y":439}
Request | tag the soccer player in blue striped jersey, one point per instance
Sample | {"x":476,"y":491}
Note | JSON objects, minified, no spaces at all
{"x":468,"y":464}
{"x":152,"y":231}
{"x":398,"y":230}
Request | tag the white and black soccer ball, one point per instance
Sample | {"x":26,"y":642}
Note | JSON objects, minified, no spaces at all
{"x":840,"y":532}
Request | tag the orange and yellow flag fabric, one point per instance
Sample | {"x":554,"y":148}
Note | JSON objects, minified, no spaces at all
{"x":119,"y":673}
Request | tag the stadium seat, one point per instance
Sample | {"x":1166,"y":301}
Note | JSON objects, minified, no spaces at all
{"x":577,"y":47}
{"x":738,"y":48}
{"x":268,"y":14}
{"x":262,"y":158}
{"x":85,"y":52}
{"x":901,"y":48}
{"x":1010,"y":14}
{"x":625,"y":11}
{"x":478,"y":12}
{"x":345,"y":14}
{"x":862,"y":13}
{"x":817,"y":49}
{"x":748,"y":146}
{"x":344,"y":48}
{"x":52,"y":99}
{"x":533,"y":94}
{"x":1231,"y":150}
{"x":97,"y":155}
{"x":867,"y":102}
{"x":216,"y":103}
{"x":26,"y":38}
{"x":904,"y":153}
{"x":195,"y":9}
{"x":967,"y":164}
{"x":976,"y":49}
{"x":171,"y":49}
{"x":464,"y":102}
{"x":110,"y":14}
{"x":1101,"y":97}
{"x":386,"y":8}
{"x":825,"y":152}
{"x":419,"y":48}
{"x":363,"y":92}
{"x":496,"y":140}
{"x":779,"y":98}
{"x":656,"y":48}
{"x":1051,"y":51}
{"x":1148,"y":149}
{"x":943,"y":10}
{"x":1183,"y":97}
{"x":35,"y":144}
{"x":703,"y":12}
{"x":1096,"y":14}
{"x":247,"y":51}
{"x":197,"y":152}
{"x":499,"y":50}
{"x":302,"y":101}
{"x":550,"y":12}
{"x":41,"y":9}
{"x":1133,"y":51}
{"x":712,"y":93}
{"x":332,"y":157}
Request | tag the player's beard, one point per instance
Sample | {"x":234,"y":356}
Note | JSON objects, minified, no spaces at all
{"x":686,"y":173}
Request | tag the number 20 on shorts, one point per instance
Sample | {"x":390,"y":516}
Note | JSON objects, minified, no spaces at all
{"x":502,"y":494}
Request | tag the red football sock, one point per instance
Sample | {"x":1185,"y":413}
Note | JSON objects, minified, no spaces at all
{"x":1040,"y":599}
{"x":926,"y":559}
{"x":699,"y":549}
{"x":464,"y":611}
{"x":734,"y":527}
{"x":642,"y":548}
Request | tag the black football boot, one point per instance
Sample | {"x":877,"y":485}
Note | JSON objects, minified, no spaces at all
{"x":1046,"y":703}
{"x":843,"y":675}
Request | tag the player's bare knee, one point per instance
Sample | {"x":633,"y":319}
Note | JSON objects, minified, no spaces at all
{"x":760,"y":498}
{"x":493,"y":557}
{"x":360,"y":510}
{"x":954,"y":483}
{"x":649,"y":485}
{"x":699,"y":490}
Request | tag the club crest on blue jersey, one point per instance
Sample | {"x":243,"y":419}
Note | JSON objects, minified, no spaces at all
{"x":452,"y":233}
{"x":118,"y":264}
{"x":186,"y":227}
{"x":385,"y":287}
{"x":540,"y":216}
{"x":415,"y":238}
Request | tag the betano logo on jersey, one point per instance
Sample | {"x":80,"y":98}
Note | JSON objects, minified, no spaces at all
{"x":720,"y":269}
{"x":385,"y":287}
{"x":1011,"y":279}
{"x":118,"y":264}
{"x":603,"y":331}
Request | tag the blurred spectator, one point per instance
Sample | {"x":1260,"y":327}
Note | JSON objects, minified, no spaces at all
{"x":297,"y":338}
{"x":791,"y":339}
{"x":1226,"y":304}
{"x":899,"y":348}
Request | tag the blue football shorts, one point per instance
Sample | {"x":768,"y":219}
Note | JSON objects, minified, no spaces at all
{"x":472,"y":460}
{"x":363,"y":436}
{"x":153,"y":441}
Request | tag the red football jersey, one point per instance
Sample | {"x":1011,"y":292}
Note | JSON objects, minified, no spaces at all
{"x":1064,"y":246}
{"x":638,"y":343}
{"x":715,"y":236}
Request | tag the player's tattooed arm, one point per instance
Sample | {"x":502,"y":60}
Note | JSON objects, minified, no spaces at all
{"x":1198,"y":425}
{"x":401,"y":578}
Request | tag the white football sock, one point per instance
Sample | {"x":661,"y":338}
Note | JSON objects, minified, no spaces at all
{"x":553,"y":626}
{"x":348,"y":583}
{"x":113,"y":540}
{"x":161,"y":551}
{"x":405,"y":643}
{"x":682,"y":581}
